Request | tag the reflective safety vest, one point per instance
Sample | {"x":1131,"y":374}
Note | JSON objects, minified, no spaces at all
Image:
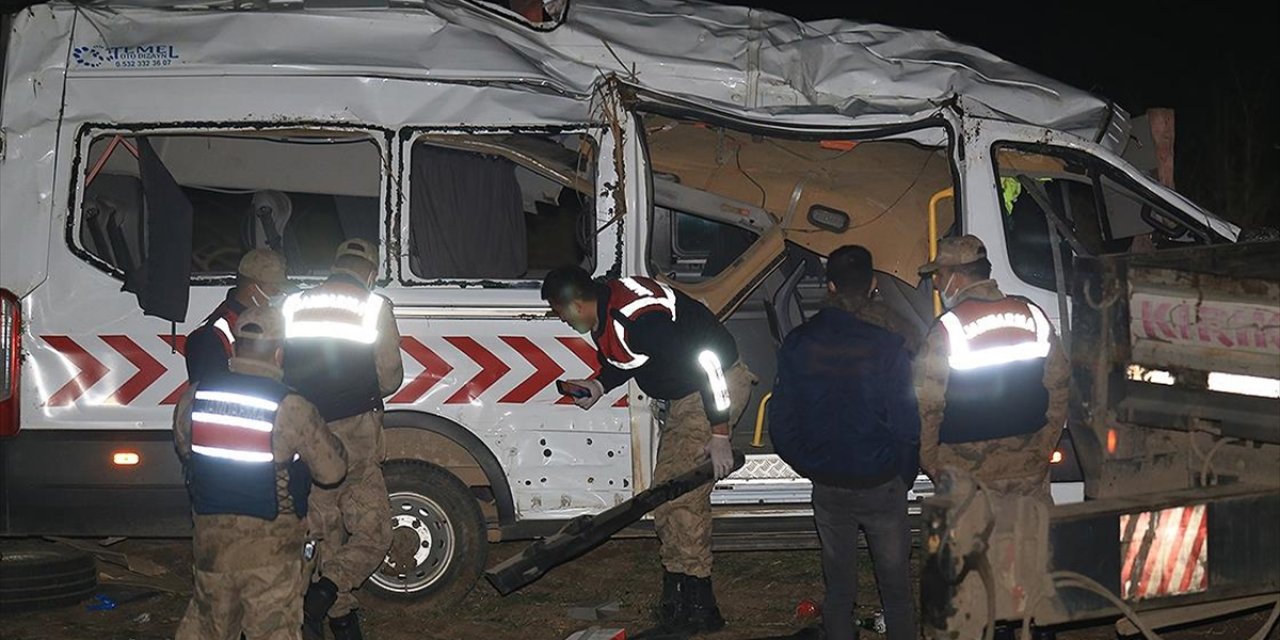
{"x":629,"y":298}
{"x":200,"y":361}
{"x":220,"y":322}
{"x":997,"y":352}
{"x":330,"y":333}
{"x":232,"y":469}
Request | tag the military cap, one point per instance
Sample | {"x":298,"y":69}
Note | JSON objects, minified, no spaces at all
{"x":260,"y":323}
{"x":359,"y":248}
{"x":955,"y":251}
{"x":265,"y":266}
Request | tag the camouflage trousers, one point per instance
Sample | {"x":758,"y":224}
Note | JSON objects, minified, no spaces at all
{"x":684,"y":524}
{"x":263,"y":603}
{"x":351,"y":522}
{"x":1013,"y":466}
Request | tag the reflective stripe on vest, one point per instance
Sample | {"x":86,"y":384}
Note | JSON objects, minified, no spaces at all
{"x":664,"y":297}
{"x":224,"y":328}
{"x":635,"y":359}
{"x":646,"y":297}
{"x":332,"y":315}
{"x":965,"y":355}
{"x":715,"y":375}
{"x":232,"y":426}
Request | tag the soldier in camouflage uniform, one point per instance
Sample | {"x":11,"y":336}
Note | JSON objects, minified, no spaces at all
{"x":250,"y":447}
{"x":260,"y":276}
{"x":342,"y":351}
{"x":875,"y":311}
{"x":676,"y":350}
{"x":991,"y":379}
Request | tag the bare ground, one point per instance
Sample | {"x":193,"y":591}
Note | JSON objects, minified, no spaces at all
{"x":758,"y":593}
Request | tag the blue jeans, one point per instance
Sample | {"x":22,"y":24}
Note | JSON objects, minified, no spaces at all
{"x":881,"y":513}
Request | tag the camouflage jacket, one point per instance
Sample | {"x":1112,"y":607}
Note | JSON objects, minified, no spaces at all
{"x":1014,"y":457}
{"x":235,"y":542}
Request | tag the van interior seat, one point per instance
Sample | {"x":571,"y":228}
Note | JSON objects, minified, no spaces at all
{"x":267,"y":221}
{"x":111,"y":228}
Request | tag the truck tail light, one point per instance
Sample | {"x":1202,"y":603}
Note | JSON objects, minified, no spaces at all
{"x":125,"y":458}
{"x":10,"y":361}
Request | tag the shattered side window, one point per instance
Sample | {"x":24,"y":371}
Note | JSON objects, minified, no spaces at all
{"x":501,"y":206}
{"x":299,"y":192}
{"x":1104,"y":211}
{"x":542,"y":15}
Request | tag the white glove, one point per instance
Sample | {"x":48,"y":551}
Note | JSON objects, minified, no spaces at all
{"x":721,"y":453}
{"x":588,"y":401}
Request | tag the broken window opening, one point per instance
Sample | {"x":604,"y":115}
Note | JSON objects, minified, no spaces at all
{"x":500,"y":207}
{"x":1106,"y":211}
{"x":539,"y":15}
{"x":297,"y":191}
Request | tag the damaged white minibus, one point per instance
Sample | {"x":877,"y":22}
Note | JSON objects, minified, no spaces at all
{"x":146,"y":145}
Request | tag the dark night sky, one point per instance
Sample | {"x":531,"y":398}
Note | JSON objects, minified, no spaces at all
{"x":1139,"y":54}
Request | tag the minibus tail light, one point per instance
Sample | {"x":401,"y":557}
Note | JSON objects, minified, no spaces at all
{"x":10,"y":361}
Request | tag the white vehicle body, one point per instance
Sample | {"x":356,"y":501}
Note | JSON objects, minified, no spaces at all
{"x":98,"y":377}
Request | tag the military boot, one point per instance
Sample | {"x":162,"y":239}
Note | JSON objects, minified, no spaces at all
{"x":672,"y":610}
{"x":703,"y":613}
{"x":346,"y":627}
{"x":315,"y":606}
{"x":672,"y":604}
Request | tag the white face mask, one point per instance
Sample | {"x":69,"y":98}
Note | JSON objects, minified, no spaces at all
{"x":948,"y":300}
{"x":258,"y":297}
{"x":261,"y":299}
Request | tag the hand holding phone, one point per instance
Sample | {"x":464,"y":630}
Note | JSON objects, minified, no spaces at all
{"x":585,"y":393}
{"x":572,"y":390}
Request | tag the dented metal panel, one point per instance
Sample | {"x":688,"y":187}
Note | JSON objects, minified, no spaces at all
{"x":35,"y":66}
{"x":740,"y":59}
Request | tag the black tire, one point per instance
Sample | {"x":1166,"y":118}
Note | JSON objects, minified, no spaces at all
{"x":435,"y":516}
{"x":40,"y":576}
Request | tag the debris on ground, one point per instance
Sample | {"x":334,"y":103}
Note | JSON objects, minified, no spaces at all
{"x":136,"y":564}
{"x":597,"y":612}
{"x":597,"y":633}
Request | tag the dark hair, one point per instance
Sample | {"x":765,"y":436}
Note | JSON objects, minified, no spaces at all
{"x":568,"y":283}
{"x":979,"y":269}
{"x":849,"y":268}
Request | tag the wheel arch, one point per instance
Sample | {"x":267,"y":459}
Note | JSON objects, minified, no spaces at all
{"x":415,"y":435}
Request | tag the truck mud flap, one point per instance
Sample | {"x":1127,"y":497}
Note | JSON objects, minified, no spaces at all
{"x":584,"y":533}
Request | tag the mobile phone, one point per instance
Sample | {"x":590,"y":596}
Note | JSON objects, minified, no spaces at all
{"x":572,"y":390}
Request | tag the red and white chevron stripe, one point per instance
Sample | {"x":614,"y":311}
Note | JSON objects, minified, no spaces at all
{"x":1164,"y":553}
{"x":118,"y":370}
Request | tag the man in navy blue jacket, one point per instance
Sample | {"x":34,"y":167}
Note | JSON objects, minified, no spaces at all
{"x":843,"y":414}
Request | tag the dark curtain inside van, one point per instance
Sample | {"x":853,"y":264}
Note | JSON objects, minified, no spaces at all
{"x":161,"y":280}
{"x":466,"y":216}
